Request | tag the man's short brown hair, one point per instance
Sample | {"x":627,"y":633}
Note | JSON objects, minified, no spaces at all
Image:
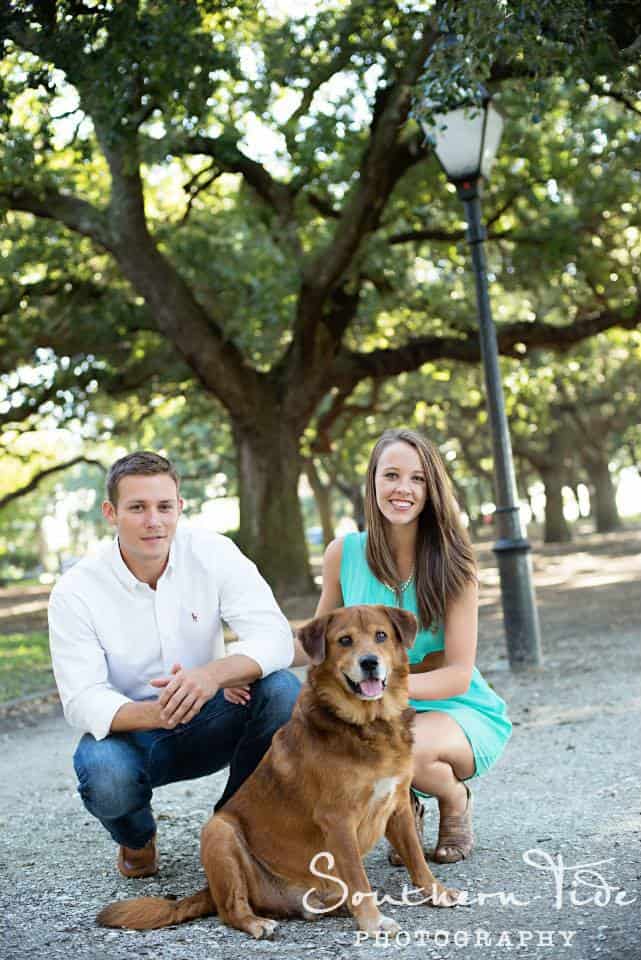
{"x":140,"y":463}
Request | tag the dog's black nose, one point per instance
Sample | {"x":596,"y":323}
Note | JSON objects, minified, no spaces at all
{"x":369,"y":663}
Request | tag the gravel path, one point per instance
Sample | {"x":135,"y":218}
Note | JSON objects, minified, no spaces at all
{"x":567,"y":790}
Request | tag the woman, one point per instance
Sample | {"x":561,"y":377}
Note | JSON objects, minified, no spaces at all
{"x":417,"y":554}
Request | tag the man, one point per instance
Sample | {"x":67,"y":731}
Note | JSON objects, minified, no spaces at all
{"x":138,"y":654}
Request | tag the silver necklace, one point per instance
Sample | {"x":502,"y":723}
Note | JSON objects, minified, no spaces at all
{"x":402,"y":587}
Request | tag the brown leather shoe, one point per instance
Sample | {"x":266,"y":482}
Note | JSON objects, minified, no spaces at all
{"x":138,"y":863}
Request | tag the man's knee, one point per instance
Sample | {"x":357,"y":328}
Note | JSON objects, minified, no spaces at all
{"x":110,"y":781}
{"x":277,"y":695}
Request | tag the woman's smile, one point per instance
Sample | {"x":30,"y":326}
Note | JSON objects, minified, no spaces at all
{"x":400,"y":483}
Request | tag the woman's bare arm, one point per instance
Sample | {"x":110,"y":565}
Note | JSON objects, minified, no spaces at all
{"x":451,"y":677}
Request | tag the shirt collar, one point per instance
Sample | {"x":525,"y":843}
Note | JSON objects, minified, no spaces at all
{"x":171,"y":559}
{"x":121,"y":569}
{"x":123,"y":572}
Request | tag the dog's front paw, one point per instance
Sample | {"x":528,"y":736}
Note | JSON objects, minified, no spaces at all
{"x":440,"y":896}
{"x":263,"y":929}
{"x":378,"y":924}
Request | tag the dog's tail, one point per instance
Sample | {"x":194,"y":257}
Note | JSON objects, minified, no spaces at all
{"x":150,"y":913}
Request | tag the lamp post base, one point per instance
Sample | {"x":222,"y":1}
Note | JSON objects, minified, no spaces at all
{"x":519,"y":604}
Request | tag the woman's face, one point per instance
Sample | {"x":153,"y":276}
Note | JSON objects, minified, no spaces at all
{"x":400,"y":484}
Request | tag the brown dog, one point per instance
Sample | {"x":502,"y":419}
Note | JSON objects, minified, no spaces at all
{"x":334,"y":781}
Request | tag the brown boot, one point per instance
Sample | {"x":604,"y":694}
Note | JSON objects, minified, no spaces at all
{"x":138,"y":863}
{"x":418,"y":810}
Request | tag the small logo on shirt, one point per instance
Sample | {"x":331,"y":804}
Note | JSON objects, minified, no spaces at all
{"x":194,"y":617}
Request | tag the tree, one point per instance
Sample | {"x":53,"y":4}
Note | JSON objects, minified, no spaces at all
{"x":601,"y":404}
{"x":282,"y":277}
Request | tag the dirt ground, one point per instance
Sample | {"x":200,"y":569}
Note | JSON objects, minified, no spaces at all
{"x":23,"y":609}
{"x":605,"y":567}
{"x":556,"y":872}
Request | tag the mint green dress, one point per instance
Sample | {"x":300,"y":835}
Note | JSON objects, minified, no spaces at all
{"x":479,"y":711}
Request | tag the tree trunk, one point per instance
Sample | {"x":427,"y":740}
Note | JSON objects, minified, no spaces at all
{"x":605,"y":505}
{"x":271,"y":524}
{"x":358,"y":505}
{"x":323,"y":496}
{"x":556,"y":528}
{"x":463,"y":501}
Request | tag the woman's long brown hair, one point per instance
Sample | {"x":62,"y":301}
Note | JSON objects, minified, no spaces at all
{"x":444,"y":561}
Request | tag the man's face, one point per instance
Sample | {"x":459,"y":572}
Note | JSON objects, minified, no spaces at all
{"x":145,"y":517}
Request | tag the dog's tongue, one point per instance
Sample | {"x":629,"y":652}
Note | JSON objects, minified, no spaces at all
{"x":372,"y":688}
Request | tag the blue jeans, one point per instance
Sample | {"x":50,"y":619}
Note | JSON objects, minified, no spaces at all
{"x":116,"y":775}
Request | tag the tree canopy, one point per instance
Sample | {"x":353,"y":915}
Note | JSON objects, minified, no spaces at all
{"x":210,"y":199}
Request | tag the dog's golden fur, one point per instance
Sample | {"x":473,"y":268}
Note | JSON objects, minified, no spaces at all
{"x":336,"y":778}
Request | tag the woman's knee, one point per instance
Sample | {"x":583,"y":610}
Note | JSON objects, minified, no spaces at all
{"x":111,"y":780}
{"x":425,"y":760}
{"x":440,"y":738}
{"x":427,"y":749}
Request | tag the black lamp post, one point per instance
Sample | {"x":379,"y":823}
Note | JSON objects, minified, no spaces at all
{"x":465,"y":141}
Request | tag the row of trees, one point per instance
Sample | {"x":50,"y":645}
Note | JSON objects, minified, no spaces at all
{"x":234,"y":220}
{"x":573,"y":422}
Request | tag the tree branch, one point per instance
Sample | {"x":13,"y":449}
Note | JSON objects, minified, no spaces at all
{"x":318,"y":327}
{"x":195,"y":186}
{"x":325,"y":422}
{"x":615,"y":95}
{"x":453,"y":236}
{"x":427,"y":233}
{"x":231,"y":159}
{"x":42,"y":475}
{"x":76,"y":214}
{"x":351,"y":367}
{"x":384,"y":162}
{"x":472,"y":460}
{"x":338,"y":63}
{"x":323,"y":206}
{"x":195,"y":333}
{"x":216,"y":361}
{"x":632,"y":51}
{"x":38,"y":397}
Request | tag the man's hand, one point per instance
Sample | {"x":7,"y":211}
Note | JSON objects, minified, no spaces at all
{"x":184,"y":694}
{"x":138,"y":715}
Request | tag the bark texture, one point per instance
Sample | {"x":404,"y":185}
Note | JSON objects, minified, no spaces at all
{"x":323,"y":497}
{"x":556,"y":528}
{"x":271,"y":524}
{"x":606,"y":515}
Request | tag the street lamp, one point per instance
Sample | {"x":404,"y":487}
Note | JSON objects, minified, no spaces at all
{"x":465,"y":142}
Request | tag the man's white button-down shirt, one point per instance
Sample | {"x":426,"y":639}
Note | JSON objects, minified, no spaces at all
{"x":110,"y":633}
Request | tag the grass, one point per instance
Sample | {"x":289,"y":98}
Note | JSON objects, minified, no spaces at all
{"x":25,"y":664}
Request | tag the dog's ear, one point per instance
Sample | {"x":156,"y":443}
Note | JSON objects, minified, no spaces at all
{"x":312,"y":638}
{"x":405,"y":624}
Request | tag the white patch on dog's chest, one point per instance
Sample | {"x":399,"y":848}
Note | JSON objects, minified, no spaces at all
{"x":383,"y":788}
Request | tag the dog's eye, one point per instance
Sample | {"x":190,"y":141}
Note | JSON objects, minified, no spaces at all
{"x":381,"y":636}
{"x":345,"y":641}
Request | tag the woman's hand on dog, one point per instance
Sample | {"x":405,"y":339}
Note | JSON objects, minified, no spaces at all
{"x":239,"y":695}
